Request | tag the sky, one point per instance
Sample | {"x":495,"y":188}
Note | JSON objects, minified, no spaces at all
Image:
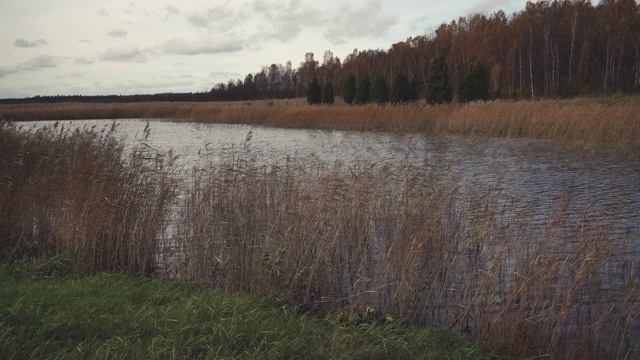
{"x":91,"y":47}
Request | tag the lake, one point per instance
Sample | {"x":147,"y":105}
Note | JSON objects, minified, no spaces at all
{"x":532,"y":175}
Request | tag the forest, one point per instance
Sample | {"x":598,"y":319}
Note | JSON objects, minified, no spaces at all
{"x":560,"y":48}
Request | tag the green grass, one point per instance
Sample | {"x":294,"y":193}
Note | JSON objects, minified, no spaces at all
{"x":49,"y":311}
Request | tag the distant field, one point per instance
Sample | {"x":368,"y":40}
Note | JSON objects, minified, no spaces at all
{"x":604,"y":124}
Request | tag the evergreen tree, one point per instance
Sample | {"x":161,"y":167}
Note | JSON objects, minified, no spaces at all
{"x":400,"y":90}
{"x":438,"y":84}
{"x":414,"y":93}
{"x":475,"y":84}
{"x":327,"y":94}
{"x":349,"y":89}
{"x":314,"y":93}
{"x":363,"y":92}
{"x":380,"y":91}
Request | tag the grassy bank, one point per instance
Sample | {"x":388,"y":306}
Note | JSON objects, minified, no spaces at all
{"x":604,"y":124}
{"x":390,"y":236}
{"x":48,"y":311}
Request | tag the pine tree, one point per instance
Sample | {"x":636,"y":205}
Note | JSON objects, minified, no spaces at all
{"x":349,"y":89}
{"x":400,"y":90}
{"x":380,"y":91}
{"x":327,"y":94}
{"x":438,"y":84}
{"x":314,"y":93}
{"x":363,"y":92}
{"x":475,"y":84}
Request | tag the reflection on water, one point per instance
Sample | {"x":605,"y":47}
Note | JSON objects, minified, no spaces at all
{"x":534,"y":174}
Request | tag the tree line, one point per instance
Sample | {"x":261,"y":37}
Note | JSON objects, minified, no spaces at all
{"x":559,"y":48}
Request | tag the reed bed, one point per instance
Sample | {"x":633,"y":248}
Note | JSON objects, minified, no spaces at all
{"x":403,"y":241}
{"x":368,"y":237}
{"x":608,"y":125}
{"x":76,"y":193}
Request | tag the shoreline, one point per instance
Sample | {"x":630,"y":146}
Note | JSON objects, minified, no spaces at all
{"x":609,"y":125}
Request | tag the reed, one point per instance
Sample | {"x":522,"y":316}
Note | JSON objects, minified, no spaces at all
{"x":77,"y":193}
{"x":391,"y":237}
{"x":404,"y":241}
{"x":608,"y":125}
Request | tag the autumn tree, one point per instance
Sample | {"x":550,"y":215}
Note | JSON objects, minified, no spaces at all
{"x":549,"y":48}
{"x":314,"y":93}
{"x":327,"y":94}
{"x":475,"y":84}
{"x":363,"y":92}
{"x":380,"y":91}
{"x":438,"y":83}
{"x":349,"y":89}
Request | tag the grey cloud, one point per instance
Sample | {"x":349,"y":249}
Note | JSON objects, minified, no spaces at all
{"x":103,"y":12}
{"x":35,"y":63}
{"x":83,"y":61}
{"x":118,"y":34}
{"x":167,"y":12}
{"x":127,"y":53}
{"x":39,"y":62}
{"x":203,"y":46}
{"x":285,"y":20}
{"x":368,"y":20}
{"x":172,"y":10}
{"x":198,"y":20}
{"x":24,"y":43}
{"x":219,"y":18}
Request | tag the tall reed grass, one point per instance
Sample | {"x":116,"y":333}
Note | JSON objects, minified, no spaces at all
{"x":393,"y":237}
{"x":595,"y":124}
{"x":77,"y":193}
{"x":404,"y":241}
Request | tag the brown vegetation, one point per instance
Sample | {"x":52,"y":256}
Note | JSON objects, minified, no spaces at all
{"x":607,"y":124}
{"x":388,"y":236}
{"x":75,"y":193}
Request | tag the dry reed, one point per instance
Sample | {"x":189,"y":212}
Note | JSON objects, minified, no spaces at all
{"x":387,"y":236}
{"x":76,"y":193}
{"x":404,"y":241}
{"x":602,"y":125}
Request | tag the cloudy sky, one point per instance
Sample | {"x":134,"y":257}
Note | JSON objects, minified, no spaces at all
{"x":93,"y":47}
